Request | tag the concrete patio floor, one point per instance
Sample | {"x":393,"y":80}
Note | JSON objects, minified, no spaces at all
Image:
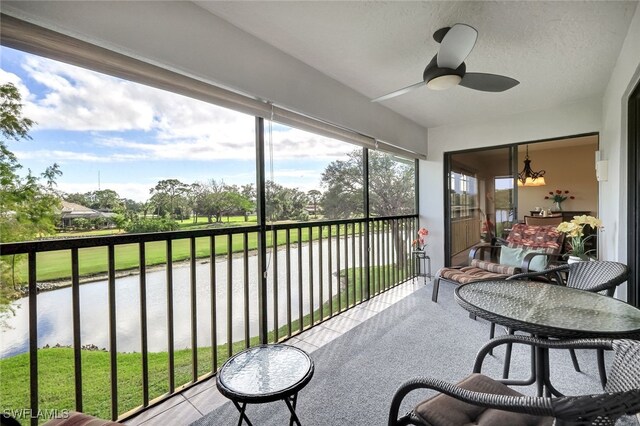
{"x":194,"y":403}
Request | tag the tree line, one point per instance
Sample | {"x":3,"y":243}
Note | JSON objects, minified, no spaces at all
{"x":391,"y":192}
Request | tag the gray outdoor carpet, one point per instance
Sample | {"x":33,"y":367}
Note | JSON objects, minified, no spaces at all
{"x":357,"y":374}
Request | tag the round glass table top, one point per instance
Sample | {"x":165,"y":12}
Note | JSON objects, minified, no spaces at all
{"x":561,"y":310}
{"x":266,"y":370}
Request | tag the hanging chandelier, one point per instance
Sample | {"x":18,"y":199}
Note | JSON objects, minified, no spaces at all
{"x":527,"y":177}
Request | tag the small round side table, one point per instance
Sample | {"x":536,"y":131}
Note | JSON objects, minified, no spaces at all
{"x":265,"y":373}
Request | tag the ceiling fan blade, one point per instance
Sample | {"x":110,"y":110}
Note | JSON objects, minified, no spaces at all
{"x":488,"y":82}
{"x":398,"y":92}
{"x":456,"y":46}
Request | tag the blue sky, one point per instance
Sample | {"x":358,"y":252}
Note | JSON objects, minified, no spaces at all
{"x":126,"y":136}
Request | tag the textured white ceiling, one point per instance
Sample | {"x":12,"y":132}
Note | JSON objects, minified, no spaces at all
{"x":559,"y":51}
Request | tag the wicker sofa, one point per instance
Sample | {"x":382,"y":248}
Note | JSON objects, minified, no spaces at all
{"x":526,"y":248}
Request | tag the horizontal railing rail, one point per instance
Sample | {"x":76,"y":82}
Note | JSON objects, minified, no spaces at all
{"x":172,"y":326}
{"x":25,"y":247}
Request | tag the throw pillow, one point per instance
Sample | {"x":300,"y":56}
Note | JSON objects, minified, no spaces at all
{"x":511,"y":256}
{"x":538,"y":263}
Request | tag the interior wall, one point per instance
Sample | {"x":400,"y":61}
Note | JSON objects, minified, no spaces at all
{"x":567,"y":168}
{"x":182,"y":37}
{"x":613,"y":146}
{"x":572,"y":119}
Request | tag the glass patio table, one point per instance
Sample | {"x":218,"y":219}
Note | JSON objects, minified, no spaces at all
{"x":265,"y":373}
{"x":549,"y":311}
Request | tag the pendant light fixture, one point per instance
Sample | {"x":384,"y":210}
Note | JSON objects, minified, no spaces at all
{"x":527,"y":177}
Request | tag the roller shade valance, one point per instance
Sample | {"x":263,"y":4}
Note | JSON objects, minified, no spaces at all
{"x":313,"y":125}
{"x":393,"y":149}
{"x":28,"y":37}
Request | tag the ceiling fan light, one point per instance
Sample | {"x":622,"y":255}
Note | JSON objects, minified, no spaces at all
{"x":444,"y":82}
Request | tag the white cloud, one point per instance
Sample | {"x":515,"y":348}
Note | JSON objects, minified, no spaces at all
{"x":181,"y":128}
{"x":8,"y":77}
{"x":294,"y":143}
{"x":78,"y":99}
{"x":65,"y":156}
{"x":203,"y":149}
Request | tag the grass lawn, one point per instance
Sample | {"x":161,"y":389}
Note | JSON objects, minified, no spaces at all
{"x":56,"y":265}
{"x":94,"y":233}
{"x":55,"y":366}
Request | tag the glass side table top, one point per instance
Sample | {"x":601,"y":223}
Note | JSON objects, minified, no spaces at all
{"x":560,"y":310}
{"x":266,"y":370}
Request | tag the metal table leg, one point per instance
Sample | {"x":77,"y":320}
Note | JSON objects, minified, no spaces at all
{"x":243,"y":416}
{"x":291,"y":403}
{"x":543,"y":374}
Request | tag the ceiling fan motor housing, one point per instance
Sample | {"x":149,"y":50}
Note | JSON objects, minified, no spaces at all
{"x":433,"y":73}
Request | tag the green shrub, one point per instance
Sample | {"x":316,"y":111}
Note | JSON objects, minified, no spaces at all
{"x":155,"y":224}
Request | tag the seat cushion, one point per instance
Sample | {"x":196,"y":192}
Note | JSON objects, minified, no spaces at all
{"x":468,"y":274}
{"x":443,"y":410}
{"x":80,"y":419}
{"x":496,"y":268}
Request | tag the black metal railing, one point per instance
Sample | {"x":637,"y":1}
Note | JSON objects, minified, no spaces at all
{"x":315,"y":270}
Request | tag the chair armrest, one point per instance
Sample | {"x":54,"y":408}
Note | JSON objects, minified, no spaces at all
{"x":520,"y":404}
{"x":480,"y":249}
{"x":606,"y":344}
{"x":594,"y":409}
{"x":529,"y":257}
{"x":555,"y":271}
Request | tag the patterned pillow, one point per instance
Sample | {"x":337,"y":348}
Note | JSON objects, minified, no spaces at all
{"x":535,"y":237}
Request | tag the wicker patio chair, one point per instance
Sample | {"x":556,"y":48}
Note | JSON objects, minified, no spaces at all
{"x":594,"y":276}
{"x":483,"y":401}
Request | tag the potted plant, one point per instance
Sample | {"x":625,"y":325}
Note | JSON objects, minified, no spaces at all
{"x":574,"y":230}
{"x":420,"y":243}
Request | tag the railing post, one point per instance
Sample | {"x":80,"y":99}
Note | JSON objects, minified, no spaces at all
{"x":77,"y":343}
{"x":33,"y":337}
{"x":113,"y":350}
{"x":262,"y":233}
{"x":367,"y":212}
{"x":144,"y":334}
{"x":170,"y":340}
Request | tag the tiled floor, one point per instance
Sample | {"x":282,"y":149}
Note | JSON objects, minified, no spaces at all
{"x":195,"y":402}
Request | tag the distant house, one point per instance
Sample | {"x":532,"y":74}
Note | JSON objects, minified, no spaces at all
{"x":71,"y":211}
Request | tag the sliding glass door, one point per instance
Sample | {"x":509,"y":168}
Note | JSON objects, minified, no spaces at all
{"x":481,"y":199}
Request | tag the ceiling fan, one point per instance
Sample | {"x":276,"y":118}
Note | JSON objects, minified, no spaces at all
{"x":447,"y":68}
